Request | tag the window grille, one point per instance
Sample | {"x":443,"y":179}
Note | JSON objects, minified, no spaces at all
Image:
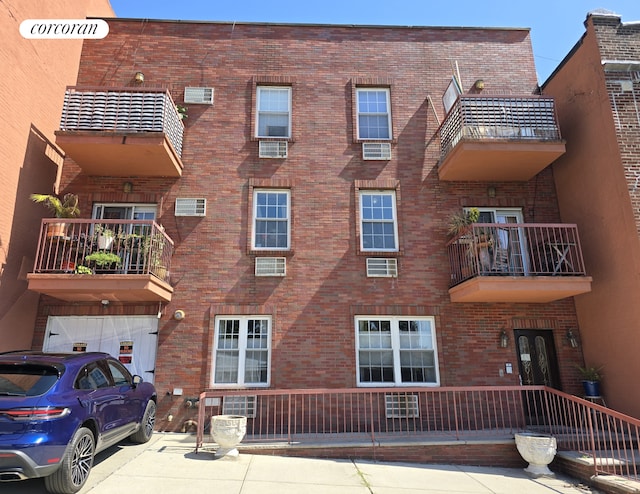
{"x":376,"y":151}
{"x":272,"y":149}
{"x":380,"y":267}
{"x":198,"y":95}
{"x":240,"y":405}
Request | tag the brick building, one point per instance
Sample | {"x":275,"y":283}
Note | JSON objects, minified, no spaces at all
{"x":597,"y":89}
{"x":304,"y":206}
{"x":36,"y":72}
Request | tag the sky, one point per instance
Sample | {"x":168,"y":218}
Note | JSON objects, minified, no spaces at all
{"x":556,"y":25}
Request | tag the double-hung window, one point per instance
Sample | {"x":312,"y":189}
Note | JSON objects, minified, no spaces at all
{"x":378,"y":227}
{"x":374,"y":113}
{"x":273,"y":112}
{"x":396,"y":351}
{"x":271,"y":219}
{"x":242,"y":351}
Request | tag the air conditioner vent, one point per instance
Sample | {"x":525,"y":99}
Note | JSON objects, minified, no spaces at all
{"x":376,"y":151}
{"x":198,"y":95}
{"x":273,"y":149}
{"x":271,"y":266}
{"x":191,"y":207}
{"x":240,"y":405}
{"x":401,"y":406}
{"x":382,"y":267}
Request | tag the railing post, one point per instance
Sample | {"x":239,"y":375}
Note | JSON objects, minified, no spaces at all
{"x":289,"y":418}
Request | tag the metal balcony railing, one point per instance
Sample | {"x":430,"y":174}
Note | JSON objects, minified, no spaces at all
{"x":87,"y":247}
{"x":490,"y":117}
{"x":122,"y":110}
{"x":512,"y":249}
{"x":458,"y":413}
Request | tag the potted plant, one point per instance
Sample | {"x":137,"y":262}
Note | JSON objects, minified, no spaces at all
{"x":67,"y":207}
{"x":104,"y":237}
{"x":591,"y":377}
{"x":460,"y":222}
{"x":104,"y":260}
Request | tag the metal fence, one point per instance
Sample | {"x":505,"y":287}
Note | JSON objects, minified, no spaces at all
{"x":122,"y":110}
{"x":458,"y":413}
{"x":490,"y":117}
{"x":515,"y":249}
{"x":103,"y":246}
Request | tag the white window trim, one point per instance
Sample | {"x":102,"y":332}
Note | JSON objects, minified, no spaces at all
{"x":395,"y":346}
{"x":257,"y":122}
{"x":388,"y":113}
{"x":242,"y":347}
{"x":254,"y":218}
{"x":392,"y":193}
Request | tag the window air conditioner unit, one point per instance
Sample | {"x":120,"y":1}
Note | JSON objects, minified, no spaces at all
{"x":382,"y":267}
{"x":191,"y":207}
{"x":272,"y":149}
{"x":376,"y":150}
{"x":198,"y":95}
{"x":401,"y":406}
{"x":271,"y":266}
{"x":240,"y":405}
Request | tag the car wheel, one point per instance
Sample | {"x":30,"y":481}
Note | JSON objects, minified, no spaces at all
{"x":143,"y":434}
{"x":76,"y":465}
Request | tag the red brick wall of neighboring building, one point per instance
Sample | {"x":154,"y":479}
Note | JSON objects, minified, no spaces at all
{"x":314,"y":305}
{"x":35,"y":74}
{"x":597,"y":184}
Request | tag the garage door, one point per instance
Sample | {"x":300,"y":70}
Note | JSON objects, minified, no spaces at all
{"x":131,"y":339}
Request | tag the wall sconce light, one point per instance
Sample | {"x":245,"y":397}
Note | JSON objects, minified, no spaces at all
{"x":139,"y":77}
{"x":127,"y":187}
{"x":479,"y":84}
{"x":491,"y":191}
{"x":504,"y":339}
{"x":178,"y":315}
{"x":573,"y":341}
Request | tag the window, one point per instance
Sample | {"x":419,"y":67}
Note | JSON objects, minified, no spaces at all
{"x":273,"y":112}
{"x":271,"y":229}
{"x":396,"y":351}
{"x":379,"y":230}
{"x":121,"y":376}
{"x":242,"y":351}
{"x":374,"y":114}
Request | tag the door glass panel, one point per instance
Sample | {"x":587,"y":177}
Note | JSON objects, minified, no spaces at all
{"x":525,"y":359}
{"x":543,"y":360}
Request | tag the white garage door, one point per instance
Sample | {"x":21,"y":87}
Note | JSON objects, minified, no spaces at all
{"x":131,"y":339}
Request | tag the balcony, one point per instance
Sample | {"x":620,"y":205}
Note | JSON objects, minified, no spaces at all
{"x":498,"y":139}
{"x":122,"y":132}
{"x":94,"y":260}
{"x":500,"y":262}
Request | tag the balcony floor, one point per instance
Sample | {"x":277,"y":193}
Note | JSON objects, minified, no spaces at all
{"x":97,"y":287}
{"x":514,"y":289}
{"x":121,"y":154}
{"x":501,"y":161}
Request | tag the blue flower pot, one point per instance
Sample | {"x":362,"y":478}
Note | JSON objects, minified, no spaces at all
{"x":591,"y":388}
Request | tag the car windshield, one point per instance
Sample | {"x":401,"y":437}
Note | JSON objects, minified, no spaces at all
{"x":26,"y":380}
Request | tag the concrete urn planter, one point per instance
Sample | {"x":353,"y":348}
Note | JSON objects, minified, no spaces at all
{"x":538,"y":450}
{"x":228,"y":431}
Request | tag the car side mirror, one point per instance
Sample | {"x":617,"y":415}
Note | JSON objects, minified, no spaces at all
{"x":137,"y":380}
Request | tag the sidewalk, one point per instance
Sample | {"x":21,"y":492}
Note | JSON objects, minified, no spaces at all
{"x":168,"y":464}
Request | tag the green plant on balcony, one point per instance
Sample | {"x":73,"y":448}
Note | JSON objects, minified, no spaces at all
{"x":103,"y":260}
{"x":83,"y":270}
{"x":461,"y":221}
{"x":182,"y":111}
{"x":67,"y":207}
{"x":593,"y":374}
{"x":104,"y":236}
{"x":153,"y":248}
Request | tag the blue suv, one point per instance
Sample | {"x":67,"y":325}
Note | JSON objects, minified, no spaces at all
{"x":58,"y":410}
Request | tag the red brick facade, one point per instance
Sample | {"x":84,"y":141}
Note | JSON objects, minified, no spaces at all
{"x":325,"y":287}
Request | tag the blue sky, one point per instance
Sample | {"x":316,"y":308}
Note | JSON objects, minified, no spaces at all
{"x":556,"y":25}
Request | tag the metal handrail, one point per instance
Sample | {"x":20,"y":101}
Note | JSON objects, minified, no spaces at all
{"x":608,"y":437}
{"x":123,"y":109}
{"x":480,"y":117}
{"x":515,"y":249}
{"x":134,"y":246}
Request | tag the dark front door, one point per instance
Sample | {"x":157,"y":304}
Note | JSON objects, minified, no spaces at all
{"x":538,"y":365}
{"x":537,"y":361}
